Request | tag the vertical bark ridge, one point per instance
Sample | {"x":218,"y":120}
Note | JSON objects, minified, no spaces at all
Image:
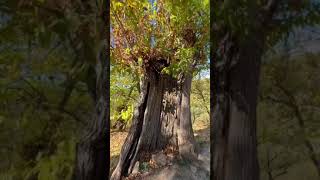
{"x":130,"y":146}
{"x":242,"y":139}
{"x":169,"y":113}
{"x":236,"y":81}
{"x":222,"y":101}
{"x":92,"y":151}
{"x":186,"y":141}
{"x":153,"y":126}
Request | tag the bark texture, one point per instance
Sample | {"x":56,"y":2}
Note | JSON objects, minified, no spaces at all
{"x":186,"y":141}
{"x":92,"y":152}
{"x":158,"y":121}
{"x":235,"y":90}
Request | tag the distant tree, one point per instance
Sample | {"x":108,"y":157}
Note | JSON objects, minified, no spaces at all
{"x":291,"y":84}
{"x":54,"y":53}
{"x":241,"y":32}
{"x":124,"y":92}
{"x":201,"y":92}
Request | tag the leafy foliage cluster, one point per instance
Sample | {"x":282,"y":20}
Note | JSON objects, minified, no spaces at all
{"x":124,"y":92}
{"x":200,"y":99}
{"x":144,"y":32}
{"x":171,"y":31}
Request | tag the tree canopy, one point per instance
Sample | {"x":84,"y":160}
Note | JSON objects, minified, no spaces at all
{"x":172,"y":31}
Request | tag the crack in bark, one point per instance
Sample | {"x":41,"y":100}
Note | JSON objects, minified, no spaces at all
{"x":155,"y":122}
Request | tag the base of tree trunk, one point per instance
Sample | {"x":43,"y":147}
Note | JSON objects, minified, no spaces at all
{"x":91,"y":160}
{"x":162,"y":118}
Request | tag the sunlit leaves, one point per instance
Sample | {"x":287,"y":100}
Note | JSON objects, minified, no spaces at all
{"x":200,"y":95}
{"x":123,"y":92}
{"x":144,"y":30}
{"x":127,"y":114}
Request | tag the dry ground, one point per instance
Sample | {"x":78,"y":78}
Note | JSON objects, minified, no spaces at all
{"x":179,"y":169}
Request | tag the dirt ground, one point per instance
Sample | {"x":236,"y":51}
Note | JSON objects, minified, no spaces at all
{"x":197,"y":169}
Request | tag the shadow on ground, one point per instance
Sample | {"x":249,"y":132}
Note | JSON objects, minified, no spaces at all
{"x":179,"y":169}
{"x":182,"y":169}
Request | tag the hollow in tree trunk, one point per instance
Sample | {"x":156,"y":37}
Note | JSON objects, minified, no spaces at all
{"x":161,"y":118}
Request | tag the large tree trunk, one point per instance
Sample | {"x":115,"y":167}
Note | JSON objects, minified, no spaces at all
{"x":92,"y":152}
{"x":235,"y":90}
{"x":161,"y":119}
{"x":186,"y":139}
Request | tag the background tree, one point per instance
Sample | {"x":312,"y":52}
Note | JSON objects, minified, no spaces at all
{"x":124,"y":92}
{"x":289,"y":90}
{"x":53,"y":85}
{"x":164,"y":42}
{"x":200,"y":97}
{"x":241,"y":32}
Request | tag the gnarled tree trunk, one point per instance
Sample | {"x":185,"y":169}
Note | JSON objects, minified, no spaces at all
{"x":162,"y":118}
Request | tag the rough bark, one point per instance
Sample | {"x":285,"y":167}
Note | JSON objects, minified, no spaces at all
{"x":186,"y":139}
{"x":234,"y":87}
{"x":92,"y":152}
{"x":234,"y":118}
{"x":156,"y":121}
